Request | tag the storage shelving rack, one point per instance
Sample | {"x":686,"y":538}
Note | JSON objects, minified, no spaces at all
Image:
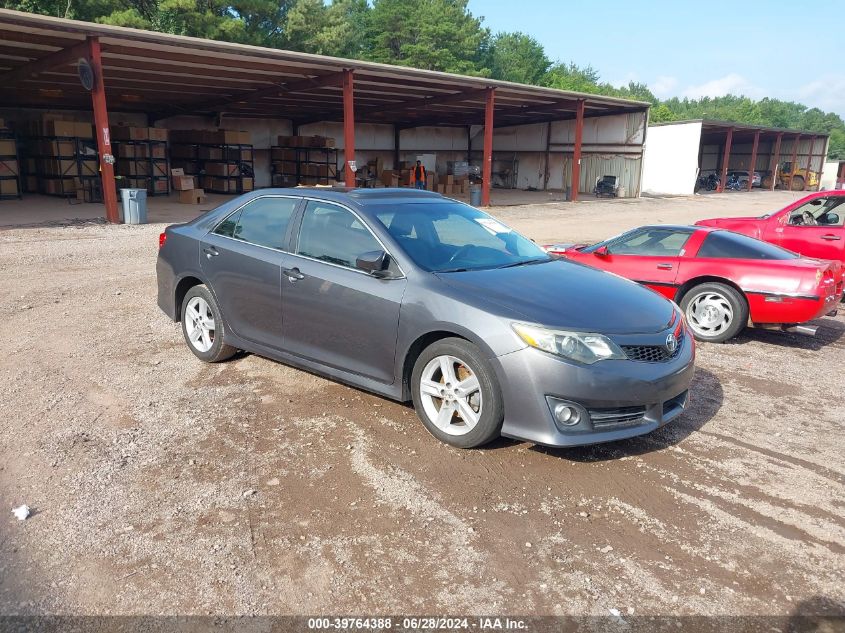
{"x":322,"y":158}
{"x":81,"y":165}
{"x":149,"y":161}
{"x":8,"y":173}
{"x":195,"y":159}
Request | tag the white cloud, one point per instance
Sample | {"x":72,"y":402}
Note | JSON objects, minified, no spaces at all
{"x":664,"y":86}
{"x":826,"y":93}
{"x":732,"y":83}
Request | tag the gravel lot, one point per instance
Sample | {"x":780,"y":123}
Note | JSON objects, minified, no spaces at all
{"x":162,"y":485}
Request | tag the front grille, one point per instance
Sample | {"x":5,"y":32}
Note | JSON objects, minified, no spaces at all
{"x":616,"y":416}
{"x":652,"y":353}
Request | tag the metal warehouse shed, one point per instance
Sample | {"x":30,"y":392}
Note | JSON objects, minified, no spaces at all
{"x":678,"y":152}
{"x":144,"y":77}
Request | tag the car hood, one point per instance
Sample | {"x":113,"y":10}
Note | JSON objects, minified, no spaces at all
{"x":567,"y":295}
{"x":747,"y":226}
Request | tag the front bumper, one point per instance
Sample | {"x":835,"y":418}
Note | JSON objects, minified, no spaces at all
{"x":627,"y":398}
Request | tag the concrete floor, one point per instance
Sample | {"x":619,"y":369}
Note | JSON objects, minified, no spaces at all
{"x":38,"y":210}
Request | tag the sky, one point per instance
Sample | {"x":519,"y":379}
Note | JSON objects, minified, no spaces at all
{"x":687,"y":49}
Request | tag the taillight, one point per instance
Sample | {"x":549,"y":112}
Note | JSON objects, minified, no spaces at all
{"x":162,"y":238}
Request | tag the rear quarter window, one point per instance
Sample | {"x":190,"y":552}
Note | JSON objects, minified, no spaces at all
{"x":727,"y":245}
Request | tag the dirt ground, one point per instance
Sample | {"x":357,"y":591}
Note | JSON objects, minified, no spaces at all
{"x":161,"y":485}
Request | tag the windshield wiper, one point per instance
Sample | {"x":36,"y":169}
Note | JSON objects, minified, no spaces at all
{"x":527,"y":262}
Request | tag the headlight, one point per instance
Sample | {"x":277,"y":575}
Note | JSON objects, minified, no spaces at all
{"x":578,"y":346}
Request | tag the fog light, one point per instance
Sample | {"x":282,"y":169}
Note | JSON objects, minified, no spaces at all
{"x":566,"y":415}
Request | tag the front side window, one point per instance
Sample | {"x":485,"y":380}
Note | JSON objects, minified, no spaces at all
{"x":333,"y":234}
{"x":650,"y":242}
{"x":724,"y":244}
{"x":263,"y":221}
{"x":819,"y":212}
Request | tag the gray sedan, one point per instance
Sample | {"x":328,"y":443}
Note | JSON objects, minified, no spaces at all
{"x":418,"y":297}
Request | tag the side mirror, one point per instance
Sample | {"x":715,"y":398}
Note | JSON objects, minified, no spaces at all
{"x":374,"y":263}
{"x":601,"y":251}
{"x":832,"y":218}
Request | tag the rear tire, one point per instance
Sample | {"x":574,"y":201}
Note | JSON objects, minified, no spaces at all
{"x":456,"y":394}
{"x":715,"y":312}
{"x":203,"y":328}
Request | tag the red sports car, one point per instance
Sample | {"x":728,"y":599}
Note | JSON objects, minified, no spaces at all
{"x":722,"y":280}
{"x":812,"y":226}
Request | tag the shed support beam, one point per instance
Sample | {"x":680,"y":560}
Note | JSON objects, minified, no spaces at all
{"x":487,"y":164}
{"x":548,"y":156}
{"x":576,"y":150}
{"x":726,"y":159}
{"x":349,"y":127}
{"x":773,"y":168}
{"x":397,"y":132}
{"x":469,"y":144}
{"x":101,"y":125}
{"x":63,"y":57}
{"x":753,"y":166}
{"x":793,"y":166}
{"x":810,"y":162}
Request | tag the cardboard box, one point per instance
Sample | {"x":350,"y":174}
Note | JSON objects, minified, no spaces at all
{"x":180,"y":181}
{"x":247,"y":184}
{"x":125,"y":150}
{"x":60,"y":128}
{"x":159,"y":168}
{"x":282,"y":154}
{"x":59,"y":186}
{"x":159,"y":186}
{"x":221,"y":169}
{"x":284,"y":141}
{"x":7,"y":147}
{"x":210,"y":153}
{"x":157,"y":133}
{"x":133,"y":168}
{"x":9,"y":167}
{"x":83,"y":130}
{"x":158,"y":151}
{"x":192,"y":196}
{"x":127,"y":133}
{"x":8,"y":187}
{"x":239,"y":154}
{"x":183,"y":151}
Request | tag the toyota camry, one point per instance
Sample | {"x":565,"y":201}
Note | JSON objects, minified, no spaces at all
{"x":414,"y":296}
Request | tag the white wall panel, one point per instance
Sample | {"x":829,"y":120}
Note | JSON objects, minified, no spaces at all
{"x":670,"y":159}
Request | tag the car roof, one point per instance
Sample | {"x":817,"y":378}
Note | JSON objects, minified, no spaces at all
{"x":357,"y":196}
{"x":678,"y":227}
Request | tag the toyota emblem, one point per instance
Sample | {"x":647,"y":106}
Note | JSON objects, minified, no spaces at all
{"x":671,"y":343}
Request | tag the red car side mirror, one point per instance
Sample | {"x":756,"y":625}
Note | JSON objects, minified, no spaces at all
{"x":601,"y":251}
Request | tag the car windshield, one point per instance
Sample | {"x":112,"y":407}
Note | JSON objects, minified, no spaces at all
{"x":451,"y":237}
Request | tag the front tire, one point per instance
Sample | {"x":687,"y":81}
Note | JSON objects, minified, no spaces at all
{"x":715,"y":312}
{"x":798,"y":183}
{"x":202,"y":326}
{"x":456,"y":394}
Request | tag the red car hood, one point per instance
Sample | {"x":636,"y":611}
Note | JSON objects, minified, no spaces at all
{"x":747,"y":226}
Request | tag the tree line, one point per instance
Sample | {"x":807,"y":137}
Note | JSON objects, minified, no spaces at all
{"x":431,"y":34}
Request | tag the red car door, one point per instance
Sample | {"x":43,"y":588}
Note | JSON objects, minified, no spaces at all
{"x":814,"y":229}
{"x":649,"y":256}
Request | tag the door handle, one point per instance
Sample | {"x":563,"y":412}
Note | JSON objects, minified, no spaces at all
{"x":210,"y":252}
{"x":831,"y":238}
{"x":664,"y":266}
{"x":293,"y":274}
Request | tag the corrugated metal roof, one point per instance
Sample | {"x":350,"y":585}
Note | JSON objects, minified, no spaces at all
{"x":158,"y":72}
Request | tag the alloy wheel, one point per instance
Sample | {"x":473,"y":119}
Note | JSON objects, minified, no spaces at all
{"x":199,"y":324}
{"x":451,"y":395}
{"x":709,"y":314}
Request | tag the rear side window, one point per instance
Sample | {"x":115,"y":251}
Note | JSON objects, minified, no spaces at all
{"x":727,"y":245}
{"x":263,"y":221}
{"x":651,"y":242}
{"x":332,"y":234}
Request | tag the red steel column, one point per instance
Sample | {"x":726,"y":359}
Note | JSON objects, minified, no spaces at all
{"x":576,"y":150}
{"x":794,"y":158}
{"x":753,"y":166}
{"x":810,"y":163}
{"x":773,"y":168}
{"x":726,"y":157}
{"x":101,"y":127}
{"x":487,"y":164}
{"x":348,"y":126}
